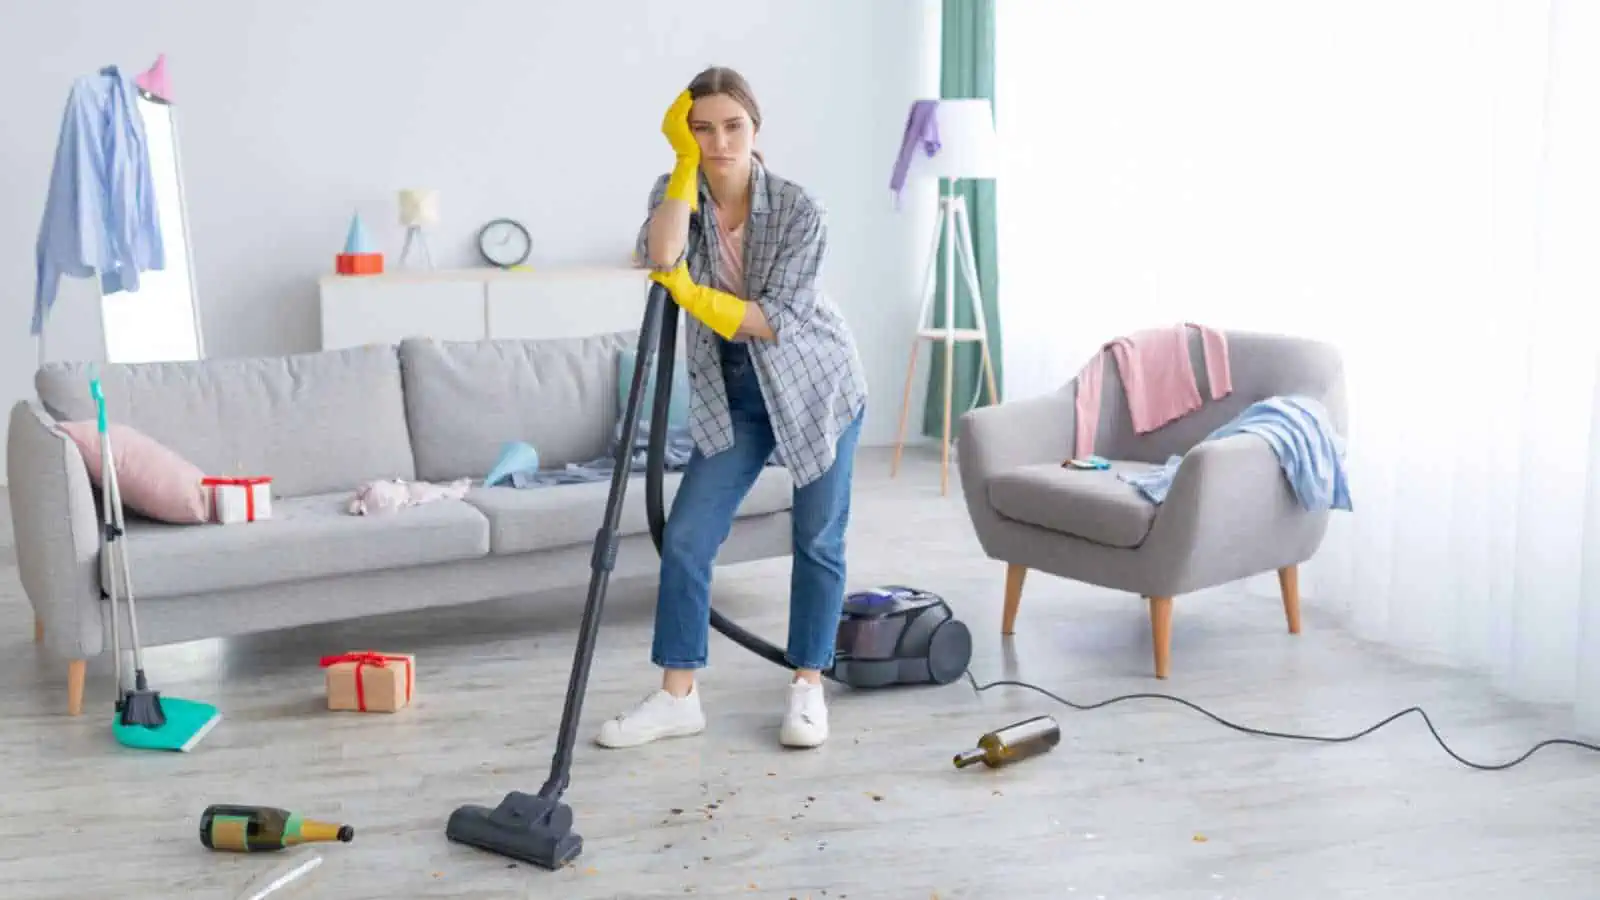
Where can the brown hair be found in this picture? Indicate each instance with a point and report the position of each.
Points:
(723, 80)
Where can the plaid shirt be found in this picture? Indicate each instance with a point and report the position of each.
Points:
(811, 375)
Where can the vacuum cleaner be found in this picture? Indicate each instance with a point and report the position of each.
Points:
(893, 635)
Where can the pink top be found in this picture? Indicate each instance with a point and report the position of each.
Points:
(731, 245)
(1157, 377)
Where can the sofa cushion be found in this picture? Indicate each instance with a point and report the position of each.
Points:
(151, 479)
(466, 399)
(307, 537)
(1091, 504)
(541, 518)
(677, 410)
(314, 422)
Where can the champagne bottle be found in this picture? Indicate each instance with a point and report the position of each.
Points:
(1013, 743)
(255, 829)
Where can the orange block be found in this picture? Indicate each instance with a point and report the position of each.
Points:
(359, 264)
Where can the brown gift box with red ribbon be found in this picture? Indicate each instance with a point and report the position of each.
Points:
(368, 681)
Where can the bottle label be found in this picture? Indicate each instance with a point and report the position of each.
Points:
(230, 833)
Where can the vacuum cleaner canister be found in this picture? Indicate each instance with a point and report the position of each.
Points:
(899, 635)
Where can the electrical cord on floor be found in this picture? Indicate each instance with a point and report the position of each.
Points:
(977, 688)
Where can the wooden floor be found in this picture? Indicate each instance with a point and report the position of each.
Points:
(1141, 799)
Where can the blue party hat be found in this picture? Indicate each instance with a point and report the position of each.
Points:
(518, 461)
(357, 240)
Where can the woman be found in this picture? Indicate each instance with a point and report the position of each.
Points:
(773, 369)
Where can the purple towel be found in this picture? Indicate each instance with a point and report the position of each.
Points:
(921, 127)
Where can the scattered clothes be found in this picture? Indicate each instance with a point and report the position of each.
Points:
(922, 127)
(100, 215)
(1154, 483)
(1157, 378)
(390, 495)
(519, 463)
(1301, 435)
(674, 457)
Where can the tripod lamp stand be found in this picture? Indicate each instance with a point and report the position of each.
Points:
(966, 147)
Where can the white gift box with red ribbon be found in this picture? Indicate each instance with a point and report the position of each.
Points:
(240, 499)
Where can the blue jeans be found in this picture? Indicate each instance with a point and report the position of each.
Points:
(702, 515)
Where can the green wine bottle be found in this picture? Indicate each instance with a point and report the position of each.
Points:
(1013, 743)
(255, 829)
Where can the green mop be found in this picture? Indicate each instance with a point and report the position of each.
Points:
(144, 719)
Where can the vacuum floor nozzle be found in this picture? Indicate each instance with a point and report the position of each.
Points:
(525, 827)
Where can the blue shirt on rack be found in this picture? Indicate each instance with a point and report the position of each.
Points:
(100, 213)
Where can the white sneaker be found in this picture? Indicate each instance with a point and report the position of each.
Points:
(659, 715)
(805, 724)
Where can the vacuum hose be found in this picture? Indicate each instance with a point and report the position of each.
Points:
(656, 454)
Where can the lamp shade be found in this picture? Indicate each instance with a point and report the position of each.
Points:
(419, 207)
(968, 146)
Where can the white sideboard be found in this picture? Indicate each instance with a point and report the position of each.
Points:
(479, 304)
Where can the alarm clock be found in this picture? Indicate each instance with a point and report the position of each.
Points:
(504, 243)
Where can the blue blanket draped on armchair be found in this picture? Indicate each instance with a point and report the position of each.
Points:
(1300, 434)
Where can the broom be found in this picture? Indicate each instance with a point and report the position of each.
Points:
(143, 719)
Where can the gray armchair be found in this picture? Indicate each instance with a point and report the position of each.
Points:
(1230, 512)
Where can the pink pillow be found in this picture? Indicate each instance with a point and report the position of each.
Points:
(153, 480)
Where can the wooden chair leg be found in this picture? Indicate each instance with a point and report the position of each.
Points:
(1161, 633)
(38, 630)
(75, 673)
(1014, 576)
(1289, 585)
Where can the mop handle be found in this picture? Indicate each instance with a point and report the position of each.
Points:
(99, 396)
(107, 470)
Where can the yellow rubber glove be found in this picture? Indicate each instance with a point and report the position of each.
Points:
(684, 183)
(721, 311)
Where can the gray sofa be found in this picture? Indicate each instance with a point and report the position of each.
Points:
(1230, 512)
(320, 424)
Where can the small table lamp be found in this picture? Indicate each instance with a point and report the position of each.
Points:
(950, 139)
(418, 207)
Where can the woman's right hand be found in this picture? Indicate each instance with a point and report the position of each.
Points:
(675, 125)
(684, 183)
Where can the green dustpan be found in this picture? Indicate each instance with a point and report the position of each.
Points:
(187, 722)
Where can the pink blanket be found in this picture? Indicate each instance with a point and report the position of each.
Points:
(1157, 376)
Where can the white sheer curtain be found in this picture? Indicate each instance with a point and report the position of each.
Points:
(1417, 181)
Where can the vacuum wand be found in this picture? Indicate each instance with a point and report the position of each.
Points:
(537, 828)
(605, 545)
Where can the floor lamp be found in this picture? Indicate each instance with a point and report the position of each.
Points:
(967, 148)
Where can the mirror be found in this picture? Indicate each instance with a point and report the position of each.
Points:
(161, 321)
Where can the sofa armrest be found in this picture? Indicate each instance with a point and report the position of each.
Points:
(56, 528)
(995, 439)
(1231, 513)
(1039, 429)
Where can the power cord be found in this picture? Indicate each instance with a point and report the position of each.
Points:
(977, 688)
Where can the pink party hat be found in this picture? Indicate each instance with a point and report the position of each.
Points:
(154, 79)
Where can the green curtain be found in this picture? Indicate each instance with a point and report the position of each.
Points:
(967, 71)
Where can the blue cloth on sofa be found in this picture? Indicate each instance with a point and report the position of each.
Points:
(675, 455)
(1300, 434)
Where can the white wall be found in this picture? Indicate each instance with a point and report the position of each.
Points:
(293, 115)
